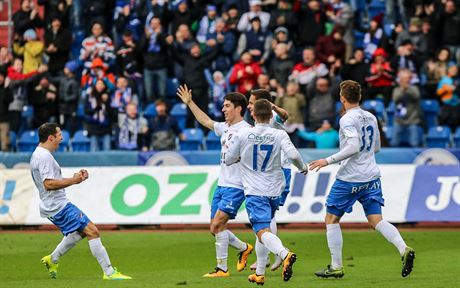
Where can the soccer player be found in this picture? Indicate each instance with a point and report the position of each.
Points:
(358, 179)
(258, 150)
(277, 121)
(55, 206)
(229, 195)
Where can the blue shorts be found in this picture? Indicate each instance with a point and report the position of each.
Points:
(261, 210)
(344, 194)
(70, 219)
(287, 177)
(228, 200)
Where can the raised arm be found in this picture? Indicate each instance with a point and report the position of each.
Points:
(283, 114)
(186, 96)
(56, 184)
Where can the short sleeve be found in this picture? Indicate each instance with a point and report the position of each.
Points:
(219, 128)
(47, 170)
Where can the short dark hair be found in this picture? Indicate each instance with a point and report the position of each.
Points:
(262, 94)
(237, 99)
(263, 110)
(46, 130)
(350, 90)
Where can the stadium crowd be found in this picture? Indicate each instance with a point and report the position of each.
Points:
(119, 84)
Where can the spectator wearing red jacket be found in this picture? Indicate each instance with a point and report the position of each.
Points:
(245, 73)
(380, 78)
(331, 48)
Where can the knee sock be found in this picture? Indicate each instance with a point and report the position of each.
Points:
(274, 244)
(67, 243)
(392, 235)
(335, 243)
(222, 249)
(99, 252)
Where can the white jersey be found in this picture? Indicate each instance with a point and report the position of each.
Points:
(43, 166)
(360, 167)
(259, 151)
(277, 123)
(229, 176)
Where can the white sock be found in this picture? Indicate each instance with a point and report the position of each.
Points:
(392, 235)
(274, 244)
(99, 252)
(67, 243)
(262, 256)
(273, 227)
(259, 243)
(235, 242)
(335, 243)
(222, 249)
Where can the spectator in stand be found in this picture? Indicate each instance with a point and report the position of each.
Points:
(408, 114)
(256, 41)
(325, 137)
(182, 45)
(59, 9)
(281, 35)
(356, 69)
(96, 11)
(331, 48)
(380, 77)
(163, 129)
(57, 46)
(155, 58)
(97, 45)
(5, 99)
(232, 17)
(415, 35)
(98, 71)
(407, 59)
(219, 88)
(69, 94)
(26, 18)
(311, 22)
(281, 65)
(435, 69)
(263, 82)
(44, 99)
(123, 95)
(245, 73)
(255, 10)
(6, 59)
(181, 16)
(127, 17)
(294, 103)
(133, 130)
(309, 69)
(448, 91)
(31, 49)
(283, 15)
(374, 38)
(448, 27)
(321, 104)
(342, 15)
(207, 24)
(225, 59)
(159, 9)
(99, 117)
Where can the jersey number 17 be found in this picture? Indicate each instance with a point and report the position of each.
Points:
(255, 155)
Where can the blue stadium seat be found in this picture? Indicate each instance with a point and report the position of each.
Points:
(430, 110)
(457, 138)
(27, 116)
(64, 146)
(213, 141)
(390, 114)
(375, 105)
(28, 141)
(438, 137)
(80, 141)
(388, 130)
(150, 111)
(13, 138)
(376, 7)
(179, 111)
(171, 87)
(193, 139)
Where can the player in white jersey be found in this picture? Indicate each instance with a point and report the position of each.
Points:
(358, 179)
(277, 121)
(229, 195)
(55, 206)
(258, 151)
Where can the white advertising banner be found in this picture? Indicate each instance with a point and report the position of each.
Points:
(182, 195)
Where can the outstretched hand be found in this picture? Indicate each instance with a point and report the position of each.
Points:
(184, 94)
(317, 164)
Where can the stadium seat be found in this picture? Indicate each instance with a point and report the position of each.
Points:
(375, 105)
(430, 110)
(150, 111)
(179, 111)
(171, 87)
(457, 138)
(376, 7)
(388, 130)
(64, 146)
(390, 114)
(27, 116)
(438, 137)
(80, 141)
(193, 139)
(13, 139)
(28, 141)
(213, 141)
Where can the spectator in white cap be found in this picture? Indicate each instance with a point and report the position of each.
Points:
(255, 9)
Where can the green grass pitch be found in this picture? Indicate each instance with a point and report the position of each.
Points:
(179, 259)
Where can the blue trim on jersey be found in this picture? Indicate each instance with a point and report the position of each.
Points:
(284, 194)
(344, 194)
(70, 219)
(278, 119)
(228, 200)
(261, 210)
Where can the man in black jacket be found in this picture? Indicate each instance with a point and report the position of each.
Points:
(5, 99)
(57, 43)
